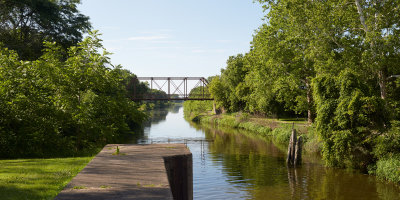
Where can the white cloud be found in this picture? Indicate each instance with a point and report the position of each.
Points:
(224, 41)
(198, 51)
(148, 38)
(159, 48)
(219, 50)
(110, 28)
(165, 42)
(156, 31)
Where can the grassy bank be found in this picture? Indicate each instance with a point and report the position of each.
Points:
(279, 130)
(37, 178)
(387, 168)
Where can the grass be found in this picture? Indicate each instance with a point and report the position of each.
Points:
(389, 169)
(150, 185)
(277, 129)
(79, 187)
(280, 130)
(37, 178)
(118, 153)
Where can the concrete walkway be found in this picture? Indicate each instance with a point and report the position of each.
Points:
(138, 172)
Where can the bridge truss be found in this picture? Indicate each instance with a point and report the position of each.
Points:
(176, 88)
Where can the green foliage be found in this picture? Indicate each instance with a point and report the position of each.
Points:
(282, 134)
(229, 89)
(52, 107)
(348, 117)
(242, 116)
(389, 143)
(389, 168)
(219, 92)
(333, 61)
(25, 24)
(194, 108)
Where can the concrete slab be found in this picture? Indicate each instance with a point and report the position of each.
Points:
(138, 172)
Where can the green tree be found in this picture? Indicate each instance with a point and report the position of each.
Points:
(25, 24)
(57, 107)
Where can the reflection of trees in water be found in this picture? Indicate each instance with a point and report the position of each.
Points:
(174, 108)
(251, 161)
(259, 167)
(156, 116)
(160, 113)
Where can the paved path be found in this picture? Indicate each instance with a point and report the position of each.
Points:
(138, 172)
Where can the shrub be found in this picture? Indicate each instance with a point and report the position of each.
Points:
(389, 168)
(282, 134)
(57, 107)
(349, 113)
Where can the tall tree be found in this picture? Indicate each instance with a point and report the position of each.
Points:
(287, 42)
(25, 24)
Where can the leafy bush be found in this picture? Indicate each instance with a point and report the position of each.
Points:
(193, 108)
(57, 107)
(282, 134)
(242, 116)
(348, 115)
(388, 143)
(389, 168)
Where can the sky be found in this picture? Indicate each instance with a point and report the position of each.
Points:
(174, 37)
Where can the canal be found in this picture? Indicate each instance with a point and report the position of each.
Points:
(231, 165)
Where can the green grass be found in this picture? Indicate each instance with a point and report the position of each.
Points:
(79, 187)
(279, 130)
(37, 178)
(389, 169)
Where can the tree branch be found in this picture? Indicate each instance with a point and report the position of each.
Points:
(360, 12)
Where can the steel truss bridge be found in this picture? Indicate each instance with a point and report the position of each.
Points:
(176, 88)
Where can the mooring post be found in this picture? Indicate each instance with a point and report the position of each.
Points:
(294, 149)
(291, 148)
(297, 156)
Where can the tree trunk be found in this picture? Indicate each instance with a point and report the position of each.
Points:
(309, 103)
(381, 74)
(382, 83)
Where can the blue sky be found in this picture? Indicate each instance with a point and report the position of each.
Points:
(174, 37)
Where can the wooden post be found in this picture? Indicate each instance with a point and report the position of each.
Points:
(297, 156)
(291, 148)
(294, 150)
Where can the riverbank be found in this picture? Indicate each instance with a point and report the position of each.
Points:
(278, 130)
(38, 178)
(386, 168)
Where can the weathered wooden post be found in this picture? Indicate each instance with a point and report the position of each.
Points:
(297, 156)
(291, 148)
(294, 149)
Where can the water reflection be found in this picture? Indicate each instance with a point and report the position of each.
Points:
(258, 167)
(232, 165)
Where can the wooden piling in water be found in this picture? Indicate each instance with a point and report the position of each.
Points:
(294, 149)
(291, 148)
(297, 155)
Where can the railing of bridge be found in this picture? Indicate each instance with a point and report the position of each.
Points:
(176, 88)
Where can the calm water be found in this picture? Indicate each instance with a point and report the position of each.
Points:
(230, 165)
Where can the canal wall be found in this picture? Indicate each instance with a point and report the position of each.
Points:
(127, 171)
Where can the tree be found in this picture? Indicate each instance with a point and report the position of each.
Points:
(25, 24)
(229, 88)
(286, 50)
(57, 107)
